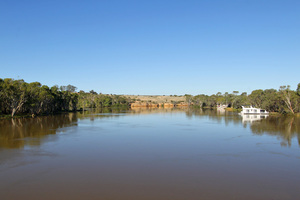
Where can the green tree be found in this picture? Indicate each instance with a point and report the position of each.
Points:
(234, 98)
(256, 98)
(93, 92)
(188, 98)
(227, 98)
(241, 100)
(270, 100)
(199, 100)
(107, 101)
(14, 95)
(289, 98)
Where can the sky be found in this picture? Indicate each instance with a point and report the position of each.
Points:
(157, 47)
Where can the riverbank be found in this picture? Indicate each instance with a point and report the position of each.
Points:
(28, 115)
(141, 105)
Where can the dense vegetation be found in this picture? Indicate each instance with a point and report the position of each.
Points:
(283, 100)
(93, 100)
(17, 96)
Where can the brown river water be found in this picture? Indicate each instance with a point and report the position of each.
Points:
(150, 154)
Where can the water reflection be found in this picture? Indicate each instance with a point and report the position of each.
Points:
(215, 115)
(283, 127)
(252, 118)
(13, 132)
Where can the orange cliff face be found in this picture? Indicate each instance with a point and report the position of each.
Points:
(143, 104)
(182, 104)
(168, 105)
(151, 105)
(139, 104)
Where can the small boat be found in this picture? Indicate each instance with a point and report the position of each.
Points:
(249, 110)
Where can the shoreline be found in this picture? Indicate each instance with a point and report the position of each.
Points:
(150, 106)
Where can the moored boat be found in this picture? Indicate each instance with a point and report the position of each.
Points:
(249, 110)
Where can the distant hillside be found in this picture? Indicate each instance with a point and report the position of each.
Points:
(157, 99)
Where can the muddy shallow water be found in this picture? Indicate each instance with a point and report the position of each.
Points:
(144, 154)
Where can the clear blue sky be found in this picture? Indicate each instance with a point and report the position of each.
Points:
(152, 47)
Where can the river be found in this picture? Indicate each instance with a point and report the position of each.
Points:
(150, 154)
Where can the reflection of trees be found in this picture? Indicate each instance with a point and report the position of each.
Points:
(14, 131)
(96, 113)
(227, 117)
(135, 110)
(284, 127)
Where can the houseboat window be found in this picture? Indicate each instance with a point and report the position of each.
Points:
(255, 110)
(247, 110)
(262, 110)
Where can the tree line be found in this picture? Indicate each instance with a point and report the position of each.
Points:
(283, 100)
(94, 100)
(17, 96)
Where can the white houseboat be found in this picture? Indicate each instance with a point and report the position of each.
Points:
(249, 110)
